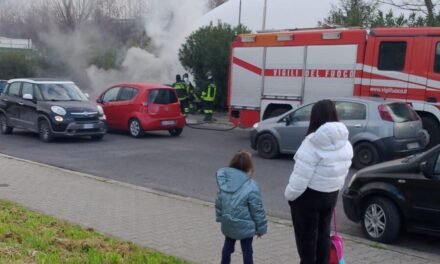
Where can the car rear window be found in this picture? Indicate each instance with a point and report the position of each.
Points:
(402, 112)
(162, 96)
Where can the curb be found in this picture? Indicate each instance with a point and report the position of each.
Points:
(274, 220)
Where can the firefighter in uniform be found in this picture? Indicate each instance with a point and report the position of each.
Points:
(182, 94)
(208, 97)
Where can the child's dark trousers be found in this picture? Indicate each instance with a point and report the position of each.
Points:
(246, 248)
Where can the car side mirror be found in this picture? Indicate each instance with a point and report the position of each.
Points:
(29, 97)
(99, 101)
(424, 169)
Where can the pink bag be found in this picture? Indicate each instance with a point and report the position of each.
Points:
(337, 246)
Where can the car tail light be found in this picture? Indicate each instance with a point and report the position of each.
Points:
(385, 113)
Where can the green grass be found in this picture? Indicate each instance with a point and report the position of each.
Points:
(29, 237)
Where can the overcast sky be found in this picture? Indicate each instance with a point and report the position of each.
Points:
(281, 14)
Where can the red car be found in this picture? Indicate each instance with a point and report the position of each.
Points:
(138, 107)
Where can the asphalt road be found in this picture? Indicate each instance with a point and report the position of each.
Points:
(184, 165)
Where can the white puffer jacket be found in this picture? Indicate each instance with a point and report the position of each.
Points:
(321, 162)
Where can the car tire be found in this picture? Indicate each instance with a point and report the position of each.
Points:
(365, 154)
(44, 131)
(97, 137)
(380, 220)
(432, 127)
(5, 129)
(135, 128)
(175, 132)
(267, 146)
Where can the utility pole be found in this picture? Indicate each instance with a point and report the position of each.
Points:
(264, 15)
(239, 14)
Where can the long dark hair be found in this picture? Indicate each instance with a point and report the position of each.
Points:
(322, 112)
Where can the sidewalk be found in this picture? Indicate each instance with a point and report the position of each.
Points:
(175, 225)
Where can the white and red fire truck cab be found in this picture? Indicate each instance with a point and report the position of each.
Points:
(273, 72)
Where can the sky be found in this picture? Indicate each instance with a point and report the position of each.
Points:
(281, 14)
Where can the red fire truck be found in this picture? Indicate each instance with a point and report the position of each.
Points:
(273, 72)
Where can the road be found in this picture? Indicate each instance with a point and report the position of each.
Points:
(184, 165)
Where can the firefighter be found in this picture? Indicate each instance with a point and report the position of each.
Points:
(208, 97)
(182, 94)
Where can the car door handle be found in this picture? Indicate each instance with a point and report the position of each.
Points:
(358, 125)
(6, 100)
(20, 103)
(401, 181)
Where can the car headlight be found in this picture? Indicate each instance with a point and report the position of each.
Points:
(58, 110)
(100, 110)
(255, 126)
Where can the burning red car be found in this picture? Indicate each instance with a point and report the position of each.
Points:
(140, 107)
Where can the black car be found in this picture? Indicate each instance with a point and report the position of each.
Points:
(52, 108)
(2, 85)
(396, 195)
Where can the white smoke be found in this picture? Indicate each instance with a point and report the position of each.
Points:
(167, 23)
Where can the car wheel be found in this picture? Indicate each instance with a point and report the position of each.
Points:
(267, 146)
(175, 132)
(4, 125)
(44, 131)
(97, 137)
(365, 154)
(380, 220)
(431, 126)
(135, 128)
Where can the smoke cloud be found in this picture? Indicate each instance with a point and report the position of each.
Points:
(167, 23)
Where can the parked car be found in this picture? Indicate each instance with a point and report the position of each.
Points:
(379, 130)
(395, 195)
(52, 108)
(138, 107)
(2, 85)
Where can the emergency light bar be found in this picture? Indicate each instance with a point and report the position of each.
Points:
(248, 38)
(335, 35)
(285, 37)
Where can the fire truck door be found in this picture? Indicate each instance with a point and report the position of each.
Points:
(330, 71)
(433, 74)
(246, 77)
(389, 74)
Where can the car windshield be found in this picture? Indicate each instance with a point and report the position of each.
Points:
(402, 112)
(162, 96)
(61, 92)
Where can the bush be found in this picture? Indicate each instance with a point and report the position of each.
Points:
(18, 63)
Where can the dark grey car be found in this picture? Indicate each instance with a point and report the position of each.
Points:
(379, 130)
(52, 108)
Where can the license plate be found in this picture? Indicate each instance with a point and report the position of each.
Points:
(88, 126)
(168, 122)
(413, 145)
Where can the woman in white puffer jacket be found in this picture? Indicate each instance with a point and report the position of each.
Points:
(321, 166)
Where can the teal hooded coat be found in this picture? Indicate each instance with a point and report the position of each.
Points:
(238, 206)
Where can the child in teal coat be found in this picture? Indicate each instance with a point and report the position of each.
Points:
(239, 208)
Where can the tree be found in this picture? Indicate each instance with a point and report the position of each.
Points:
(354, 13)
(215, 3)
(426, 7)
(208, 49)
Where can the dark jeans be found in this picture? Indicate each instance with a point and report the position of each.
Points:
(246, 248)
(311, 217)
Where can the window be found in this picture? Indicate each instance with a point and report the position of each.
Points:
(127, 94)
(351, 111)
(162, 96)
(111, 95)
(28, 88)
(437, 58)
(402, 112)
(392, 56)
(2, 86)
(302, 114)
(14, 89)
